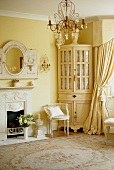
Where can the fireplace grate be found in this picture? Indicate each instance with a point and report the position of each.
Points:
(15, 131)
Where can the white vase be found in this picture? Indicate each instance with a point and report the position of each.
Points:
(75, 38)
(26, 133)
(15, 84)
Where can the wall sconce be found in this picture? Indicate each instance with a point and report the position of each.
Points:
(45, 66)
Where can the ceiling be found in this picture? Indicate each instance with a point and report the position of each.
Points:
(87, 8)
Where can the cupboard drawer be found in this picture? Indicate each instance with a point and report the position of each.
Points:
(85, 96)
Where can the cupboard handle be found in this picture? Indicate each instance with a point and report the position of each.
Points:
(74, 96)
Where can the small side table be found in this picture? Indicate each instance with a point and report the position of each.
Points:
(38, 130)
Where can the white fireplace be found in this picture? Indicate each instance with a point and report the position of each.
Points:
(13, 99)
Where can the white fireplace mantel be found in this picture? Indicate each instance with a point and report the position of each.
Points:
(13, 96)
(16, 87)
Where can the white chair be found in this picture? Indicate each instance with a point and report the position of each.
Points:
(58, 111)
(109, 121)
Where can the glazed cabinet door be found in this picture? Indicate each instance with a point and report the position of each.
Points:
(65, 70)
(83, 69)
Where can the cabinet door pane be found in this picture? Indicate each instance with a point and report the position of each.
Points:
(65, 57)
(62, 84)
(87, 83)
(69, 56)
(78, 83)
(83, 70)
(70, 83)
(65, 70)
(62, 70)
(70, 72)
(77, 56)
(78, 70)
(82, 83)
(61, 57)
(87, 56)
(65, 83)
(82, 56)
(87, 69)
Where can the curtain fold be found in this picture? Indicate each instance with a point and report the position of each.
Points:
(104, 69)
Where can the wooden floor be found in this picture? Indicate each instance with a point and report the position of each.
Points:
(58, 133)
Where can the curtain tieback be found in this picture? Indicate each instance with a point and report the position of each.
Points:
(102, 94)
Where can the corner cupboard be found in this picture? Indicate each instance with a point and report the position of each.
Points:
(75, 81)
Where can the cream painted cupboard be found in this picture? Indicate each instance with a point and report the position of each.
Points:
(75, 81)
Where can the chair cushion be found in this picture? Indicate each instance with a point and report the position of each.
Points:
(62, 117)
(109, 121)
(55, 111)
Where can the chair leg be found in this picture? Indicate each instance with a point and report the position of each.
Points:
(67, 127)
(107, 132)
(64, 126)
(58, 125)
(50, 128)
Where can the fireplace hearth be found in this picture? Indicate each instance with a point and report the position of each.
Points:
(12, 121)
(13, 127)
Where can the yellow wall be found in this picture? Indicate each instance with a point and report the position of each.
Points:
(97, 33)
(103, 31)
(86, 35)
(108, 29)
(34, 35)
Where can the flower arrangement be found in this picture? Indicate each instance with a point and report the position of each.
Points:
(25, 120)
(15, 82)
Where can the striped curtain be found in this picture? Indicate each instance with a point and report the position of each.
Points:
(104, 69)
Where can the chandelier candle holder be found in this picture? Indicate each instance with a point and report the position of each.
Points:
(66, 22)
(45, 66)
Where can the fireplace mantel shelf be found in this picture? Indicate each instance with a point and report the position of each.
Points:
(17, 87)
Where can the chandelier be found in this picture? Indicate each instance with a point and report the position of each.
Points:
(66, 23)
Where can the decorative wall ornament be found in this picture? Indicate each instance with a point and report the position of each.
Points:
(15, 96)
(38, 129)
(17, 62)
(15, 106)
(45, 65)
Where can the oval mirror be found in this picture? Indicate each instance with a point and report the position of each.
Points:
(14, 60)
